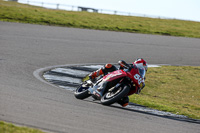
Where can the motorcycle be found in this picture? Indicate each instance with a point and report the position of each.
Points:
(112, 87)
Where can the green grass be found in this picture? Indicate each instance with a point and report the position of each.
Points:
(10, 128)
(15, 12)
(173, 89)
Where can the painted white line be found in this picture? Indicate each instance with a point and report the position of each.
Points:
(69, 71)
(62, 78)
(94, 66)
(154, 111)
(154, 65)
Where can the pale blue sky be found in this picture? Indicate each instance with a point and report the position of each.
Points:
(179, 9)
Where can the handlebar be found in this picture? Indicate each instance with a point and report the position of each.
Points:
(123, 64)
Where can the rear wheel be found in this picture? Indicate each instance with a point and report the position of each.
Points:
(82, 91)
(111, 97)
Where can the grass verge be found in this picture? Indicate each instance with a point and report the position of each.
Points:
(10, 128)
(173, 89)
(15, 12)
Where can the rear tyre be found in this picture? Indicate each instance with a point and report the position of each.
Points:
(111, 97)
(82, 92)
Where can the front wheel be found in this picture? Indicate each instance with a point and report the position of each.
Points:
(82, 92)
(111, 97)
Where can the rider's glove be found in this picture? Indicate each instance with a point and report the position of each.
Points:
(123, 64)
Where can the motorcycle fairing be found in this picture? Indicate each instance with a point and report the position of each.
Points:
(114, 75)
(134, 75)
(99, 88)
(111, 80)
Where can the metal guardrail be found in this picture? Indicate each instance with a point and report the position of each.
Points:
(79, 8)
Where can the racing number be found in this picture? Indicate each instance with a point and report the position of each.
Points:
(138, 78)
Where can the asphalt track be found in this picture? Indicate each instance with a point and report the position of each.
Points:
(25, 100)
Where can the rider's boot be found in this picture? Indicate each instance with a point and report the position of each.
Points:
(124, 101)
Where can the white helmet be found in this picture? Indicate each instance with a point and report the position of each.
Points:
(141, 63)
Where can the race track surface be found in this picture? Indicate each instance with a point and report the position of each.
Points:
(25, 100)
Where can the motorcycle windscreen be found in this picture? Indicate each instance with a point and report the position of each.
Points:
(142, 72)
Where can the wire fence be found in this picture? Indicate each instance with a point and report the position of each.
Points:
(78, 8)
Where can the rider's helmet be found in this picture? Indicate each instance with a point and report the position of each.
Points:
(141, 64)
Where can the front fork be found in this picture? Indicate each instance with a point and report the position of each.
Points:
(97, 90)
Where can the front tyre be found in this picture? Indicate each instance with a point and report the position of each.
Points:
(82, 92)
(111, 97)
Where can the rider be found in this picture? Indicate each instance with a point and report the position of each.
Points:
(140, 64)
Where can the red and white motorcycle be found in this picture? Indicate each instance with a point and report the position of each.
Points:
(113, 86)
